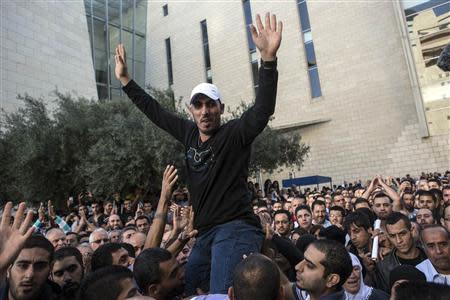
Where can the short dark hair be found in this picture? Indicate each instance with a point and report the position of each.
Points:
(395, 217)
(361, 200)
(434, 179)
(338, 208)
(256, 277)
(142, 218)
(39, 241)
(261, 203)
(334, 233)
(317, 202)
(427, 193)
(64, 252)
(102, 257)
(357, 218)
(382, 195)
(130, 249)
(336, 261)
(421, 290)
(146, 267)
(110, 277)
(314, 228)
(282, 211)
(302, 207)
(369, 213)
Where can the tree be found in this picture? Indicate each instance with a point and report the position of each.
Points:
(104, 147)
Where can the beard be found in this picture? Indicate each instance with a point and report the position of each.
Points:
(69, 291)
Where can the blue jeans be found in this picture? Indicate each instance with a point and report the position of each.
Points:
(216, 253)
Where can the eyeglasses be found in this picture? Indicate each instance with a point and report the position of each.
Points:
(101, 240)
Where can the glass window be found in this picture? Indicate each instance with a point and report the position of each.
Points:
(99, 8)
(139, 74)
(139, 50)
(204, 31)
(314, 82)
(114, 38)
(87, 7)
(101, 66)
(310, 54)
(255, 73)
(247, 12)
(102, 91)
(115, 94)
(307, 36)
(441, 9)
(165, 10)
(169, 61)
(304, 16)
(248, 21)
(99, 35)
(141, 16)
(127, 13)
(253, 56)
(206, 55)
(127, 41)
(415, 6)
(130, 65)
(209, 76)
(428, 23)
(112, 76)
(114, 12)
(251, 44)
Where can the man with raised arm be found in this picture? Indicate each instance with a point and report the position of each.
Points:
(217, 158)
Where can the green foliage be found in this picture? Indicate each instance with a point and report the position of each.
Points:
(103, 147)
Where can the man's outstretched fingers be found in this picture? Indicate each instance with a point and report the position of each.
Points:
(259, 23)
(25, 228)
(267, 21)
(19, 215)
(274, 22)
(6, 217)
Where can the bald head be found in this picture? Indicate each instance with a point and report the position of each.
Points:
(256, 277)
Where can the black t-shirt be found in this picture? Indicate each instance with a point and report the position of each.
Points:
(217, 169)
(413, 262)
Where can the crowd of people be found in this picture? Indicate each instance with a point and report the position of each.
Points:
(387, 239)
(221, 237)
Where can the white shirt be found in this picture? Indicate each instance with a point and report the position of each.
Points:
(427, 268)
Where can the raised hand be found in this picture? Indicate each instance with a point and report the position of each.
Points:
(41, 213)
(169, 178)
(13, 237)
(268, 36)
(121, 70)
(51, 210)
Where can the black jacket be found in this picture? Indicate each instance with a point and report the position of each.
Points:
(217, 169)
(384, 268)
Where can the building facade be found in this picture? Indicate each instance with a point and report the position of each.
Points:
(44, 46)
(69, 46)
(358, 80)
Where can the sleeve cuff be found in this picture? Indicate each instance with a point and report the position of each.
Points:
(268, 65)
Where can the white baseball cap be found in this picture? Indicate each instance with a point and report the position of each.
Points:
(207, 89)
